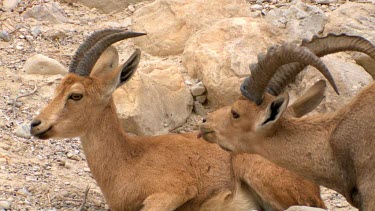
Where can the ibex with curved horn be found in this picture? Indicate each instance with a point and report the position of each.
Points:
(335, 150)
(169, 172)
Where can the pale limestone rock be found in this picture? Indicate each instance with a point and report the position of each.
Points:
(353, 19)
(40, 64)
(50, 12)
(109, 6)
(170, 23)
(155, 101)
(220, 55)
(299, 20)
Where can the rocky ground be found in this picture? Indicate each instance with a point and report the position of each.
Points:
(52, 174)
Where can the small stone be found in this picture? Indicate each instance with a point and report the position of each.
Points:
(35, 31)
(10, 4)
(86, 169)
(4, 35)
(73, 156)
(131, 8)
(23, 130)
(256, 7)
(67, 165)
(5, 205)
(23, 192)
(197, 89)
(3, 161)
(40, 64)
(199, 109)
(64, 193)
(201, 98)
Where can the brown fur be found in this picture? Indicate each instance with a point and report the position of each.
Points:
(165, 172)
(335, 150)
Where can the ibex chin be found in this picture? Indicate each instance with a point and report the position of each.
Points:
(336, 150)
(168, 172)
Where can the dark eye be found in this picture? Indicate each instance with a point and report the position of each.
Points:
(235, 114)
(75, 96)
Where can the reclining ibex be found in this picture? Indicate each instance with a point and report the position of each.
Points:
(336, 150)
(168, 172)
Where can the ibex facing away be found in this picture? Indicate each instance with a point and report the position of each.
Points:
(336, 150)
(169, 172)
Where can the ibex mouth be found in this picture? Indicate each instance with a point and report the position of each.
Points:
(204, 131)
(43, 135)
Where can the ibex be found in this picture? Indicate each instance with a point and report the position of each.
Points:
(335, 150)
(168, 172)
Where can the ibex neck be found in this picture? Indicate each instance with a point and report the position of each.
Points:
(107, 147)
(302, 145)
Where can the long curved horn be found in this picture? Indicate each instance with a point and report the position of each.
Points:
(87, 44)
(320, 46)
(90, 58)
(261, 73)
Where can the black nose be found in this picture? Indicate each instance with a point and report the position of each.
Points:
(35, 123)
(204, 120)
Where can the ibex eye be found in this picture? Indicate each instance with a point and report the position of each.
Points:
(75, 96)
(235, 114)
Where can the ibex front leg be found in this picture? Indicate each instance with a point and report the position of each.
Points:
(165, 201)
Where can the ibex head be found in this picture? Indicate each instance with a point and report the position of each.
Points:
(83, 92)
(257, 114)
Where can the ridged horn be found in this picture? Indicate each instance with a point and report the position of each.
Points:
(91, 57)
(87, 44)
(320, 46)
(254, 86)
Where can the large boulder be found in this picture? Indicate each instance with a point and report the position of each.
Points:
(349, 77)
(155, 101)
(299, 20)
(220, 55)
(354, 19)
(108, 6)
(169, 23)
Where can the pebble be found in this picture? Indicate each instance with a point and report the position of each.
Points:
(5, 205)
(23, 130)
(73, 156)
(64, 193)
(131, 8)
(4, 35)
(23, 192)
(86, 169)
(197, 89)
(256, 7)
(3, 161)
(35, 31)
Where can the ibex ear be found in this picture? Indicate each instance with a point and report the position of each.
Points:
(129, 67)
(122, 73)
(309, 100)
(106, 63)
(273, 112)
